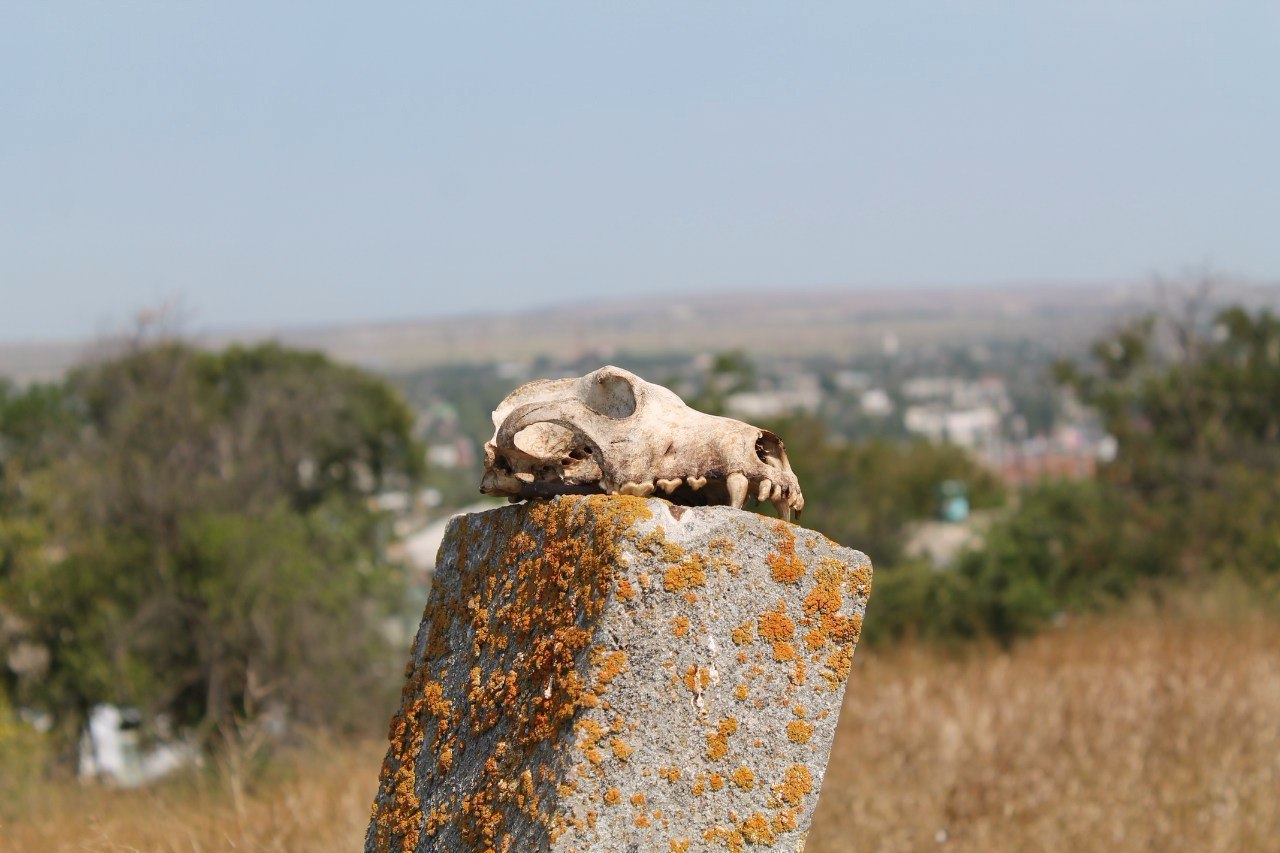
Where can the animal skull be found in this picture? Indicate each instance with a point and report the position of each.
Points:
(612, 432)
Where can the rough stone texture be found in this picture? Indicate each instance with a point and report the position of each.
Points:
(616, 673)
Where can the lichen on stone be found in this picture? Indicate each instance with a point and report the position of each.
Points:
(579, 648)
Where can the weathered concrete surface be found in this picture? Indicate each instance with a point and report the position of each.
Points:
(614, 673)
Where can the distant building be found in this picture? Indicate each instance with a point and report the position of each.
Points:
(801, 393)
(970, 428)
(457, 453)
(876, 403)
(851, 380)
(1071, 453)
(112, 750)
(1025, 470)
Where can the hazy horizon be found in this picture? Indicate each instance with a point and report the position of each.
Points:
(178, 312)
(304, 165)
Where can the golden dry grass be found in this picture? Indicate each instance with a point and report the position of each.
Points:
(313, 802)
(1152, 732)
(1147, 732)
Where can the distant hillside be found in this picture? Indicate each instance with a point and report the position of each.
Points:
(773, 322)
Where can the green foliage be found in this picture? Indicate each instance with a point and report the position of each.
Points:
(865, 494)
(1196, 414)
(1066, 548)
(916, 600)
(23, 757)
(1191, 495)
(190, 534)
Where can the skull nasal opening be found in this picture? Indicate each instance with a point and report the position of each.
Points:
(769, 450)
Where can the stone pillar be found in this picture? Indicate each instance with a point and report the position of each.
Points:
(621, 674)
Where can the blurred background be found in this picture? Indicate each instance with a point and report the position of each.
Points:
(1004, 278)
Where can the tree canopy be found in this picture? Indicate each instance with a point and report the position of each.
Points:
(190, 534)
(1190, 496)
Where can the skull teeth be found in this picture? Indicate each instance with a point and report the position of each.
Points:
(640, 490)
(764, 490)
(737, 484)
(670, 486)
(695, 483)
(781, 506)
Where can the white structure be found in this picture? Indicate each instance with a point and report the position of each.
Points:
(876, 403)
(111, 751)
(965, 427)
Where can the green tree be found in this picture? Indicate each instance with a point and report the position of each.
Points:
(865, 494)
(200, 543)
(1191, 493)
(1194, 409)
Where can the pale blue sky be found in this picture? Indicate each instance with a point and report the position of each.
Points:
(281, 163)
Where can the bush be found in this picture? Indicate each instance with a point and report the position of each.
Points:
(190, 534)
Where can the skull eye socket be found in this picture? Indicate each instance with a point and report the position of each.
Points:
(610, 395)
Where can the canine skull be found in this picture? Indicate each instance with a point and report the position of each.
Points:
(612, 432)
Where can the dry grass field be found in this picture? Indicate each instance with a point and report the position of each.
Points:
(1152, 731)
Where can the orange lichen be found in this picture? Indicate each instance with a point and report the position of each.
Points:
(826, 595)
(797, 783)
(799, 672)
(697, 679)
(784, 821)
(589, 733)
(838, 665)
(557, 558)
(621, 749)
(679, 845)
(609, 665)
(776, 626)
(744, 633)
(699, 786)
(744, 778)
(689, 572)
(625, 590)
(859, 580)
(721, 545)
(716, 781)
(741, 692)
(756, 830)
(718, 741)
(637, 799)
(815, 639)
(612, 797)
(680, 626)
(784, 652)
(784, 565)
(798, 731)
